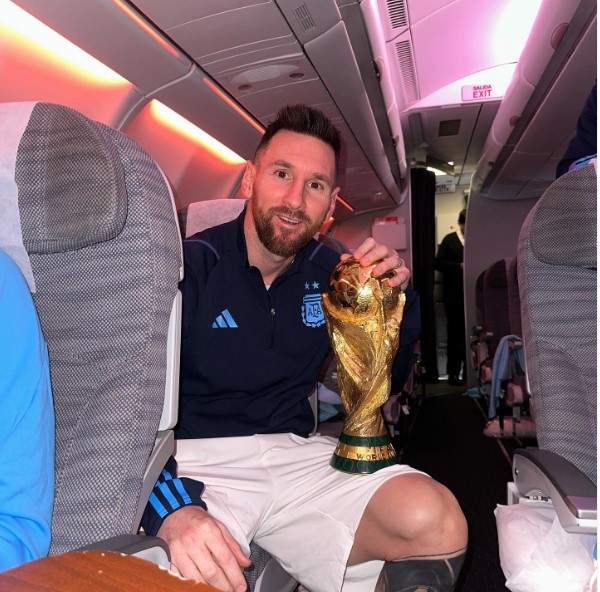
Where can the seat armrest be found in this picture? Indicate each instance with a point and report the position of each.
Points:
(145, 547)
(541, 474)
(164, 447)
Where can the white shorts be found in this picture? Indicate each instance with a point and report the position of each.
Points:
(280, 491)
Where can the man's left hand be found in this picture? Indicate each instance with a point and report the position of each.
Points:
(387, 259)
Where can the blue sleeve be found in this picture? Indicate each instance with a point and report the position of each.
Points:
(170, 494)
(26, 425)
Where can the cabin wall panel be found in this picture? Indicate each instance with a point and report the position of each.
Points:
(195, 173)
(32, 73)
(194, 99)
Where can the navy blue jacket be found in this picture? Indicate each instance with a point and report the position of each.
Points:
(241, 373)
(584, 142)
(250, 356)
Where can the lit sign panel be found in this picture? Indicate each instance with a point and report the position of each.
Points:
(479, 92)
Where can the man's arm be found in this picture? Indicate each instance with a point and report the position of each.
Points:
(584, 142)
(170, 494)
(201, 547)
(26, 425)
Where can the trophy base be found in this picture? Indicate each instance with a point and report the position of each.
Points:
(363, 455)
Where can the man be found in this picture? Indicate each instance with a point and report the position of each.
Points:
(583, 144)
(254, 340)
(449, 261)
(26, 427)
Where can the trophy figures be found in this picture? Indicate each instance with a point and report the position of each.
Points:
(363, 316)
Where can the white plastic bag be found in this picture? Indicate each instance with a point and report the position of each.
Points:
(537, 555)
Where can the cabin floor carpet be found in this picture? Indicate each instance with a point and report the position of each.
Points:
(447, 442)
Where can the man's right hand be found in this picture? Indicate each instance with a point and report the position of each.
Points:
(202, 549)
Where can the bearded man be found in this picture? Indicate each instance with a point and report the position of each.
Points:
(253, 343)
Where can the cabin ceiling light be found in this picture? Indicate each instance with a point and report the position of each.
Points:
(224, 97)
(435, 171)
(170, 118)
(512, 27)
(344, 203)
(17, 21)
(149, 29)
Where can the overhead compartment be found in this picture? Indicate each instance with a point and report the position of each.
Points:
(145, 58)
(267, 54)
(541, 106)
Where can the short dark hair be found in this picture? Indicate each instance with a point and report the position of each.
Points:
(462, 216)
(306, 120)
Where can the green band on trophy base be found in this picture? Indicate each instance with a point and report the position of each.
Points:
(363, 454)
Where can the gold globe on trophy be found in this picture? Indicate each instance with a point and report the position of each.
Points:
(363, 316)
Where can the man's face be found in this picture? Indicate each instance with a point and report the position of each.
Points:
(291, 191)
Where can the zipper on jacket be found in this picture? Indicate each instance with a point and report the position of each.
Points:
(272, 326)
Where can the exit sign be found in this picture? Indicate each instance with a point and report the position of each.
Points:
(479, 92)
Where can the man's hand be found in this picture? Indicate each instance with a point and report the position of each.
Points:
(370, 252)
(202, 549)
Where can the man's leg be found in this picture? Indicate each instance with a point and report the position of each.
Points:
(416, 525)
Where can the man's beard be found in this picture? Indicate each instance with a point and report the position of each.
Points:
(284, 243)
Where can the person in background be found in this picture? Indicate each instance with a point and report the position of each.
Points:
(583, 144)
(449, 262)
(26, 425)
(254, 341)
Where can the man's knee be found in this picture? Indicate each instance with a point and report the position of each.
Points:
(419, 515)
(436, 514)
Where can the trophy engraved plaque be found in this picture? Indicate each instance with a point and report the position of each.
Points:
(363, 316)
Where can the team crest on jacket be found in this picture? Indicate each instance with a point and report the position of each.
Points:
(312, 310)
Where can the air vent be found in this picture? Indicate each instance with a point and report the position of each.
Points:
(397, 13)
(263, 73)
(449, 127)
(304, 18)
(407, 70)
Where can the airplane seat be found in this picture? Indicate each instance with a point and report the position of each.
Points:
(514, 300)
(90, 220)
(333, 243)
(548, 530)
(201, 215)
(265, 574)
(508, 391)
(480, 356)
(492, 290)
(516, 392)
(495, 303)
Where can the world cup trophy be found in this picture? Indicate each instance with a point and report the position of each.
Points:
(363, 316)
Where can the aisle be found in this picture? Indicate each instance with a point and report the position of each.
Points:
(447, 443)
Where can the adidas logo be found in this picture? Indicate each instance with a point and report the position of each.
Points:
(224, 321)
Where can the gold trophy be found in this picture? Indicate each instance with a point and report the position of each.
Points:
(363, 316)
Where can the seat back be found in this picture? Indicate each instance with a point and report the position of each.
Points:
(557, 285)
(514, 300)
(99, 241)
(479, 306)
(206, 214)
(495, 303)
